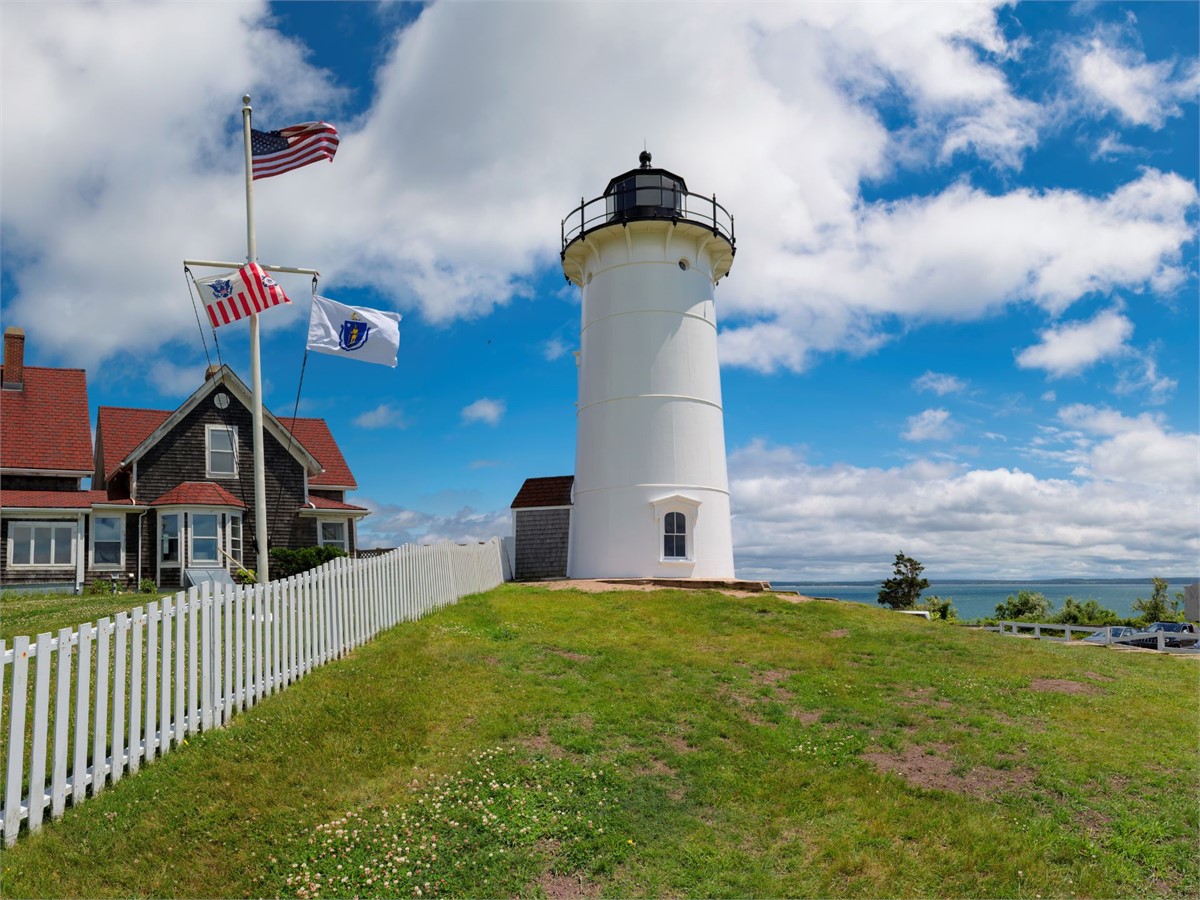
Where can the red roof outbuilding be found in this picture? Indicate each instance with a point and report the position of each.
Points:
(44, 425)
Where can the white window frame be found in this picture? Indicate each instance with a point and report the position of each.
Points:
(230, 518)
(690, 510)
(178, 561)
(192, 562)
(685, 534)
(34, 524)
(92, 542)
(344, 543)
(232, 430)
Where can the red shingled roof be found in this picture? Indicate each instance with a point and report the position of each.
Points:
(120, 429)
(318, 440)
(45, 425)
(198, 493)
(57, 499)
(326, 503)
(553, 491)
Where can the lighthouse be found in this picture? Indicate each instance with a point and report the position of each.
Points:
(650, 496)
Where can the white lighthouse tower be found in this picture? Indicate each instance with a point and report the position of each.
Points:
(651, 492)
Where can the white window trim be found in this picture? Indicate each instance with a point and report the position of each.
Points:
(691, 513)
(105, 567)
(190, 559)
(162, 563)
(45, 523)
(240, 556)
(208, 431)
(332, 520)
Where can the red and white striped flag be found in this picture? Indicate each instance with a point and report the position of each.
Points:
(276, 152)
(236, 295)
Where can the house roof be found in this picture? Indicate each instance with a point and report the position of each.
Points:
(326, 503)
(46, 424)
(77, 500)
(121, 429)
(198, 493)
(316, 437)
(553, 491)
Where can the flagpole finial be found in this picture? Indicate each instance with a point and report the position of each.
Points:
(246, 99)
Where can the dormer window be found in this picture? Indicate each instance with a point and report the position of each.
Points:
(221, 446)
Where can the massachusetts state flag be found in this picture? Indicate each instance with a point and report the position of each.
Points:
(357, 332)
(236, 295)
(276, 152)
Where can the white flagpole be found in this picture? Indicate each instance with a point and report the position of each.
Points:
(260, 483)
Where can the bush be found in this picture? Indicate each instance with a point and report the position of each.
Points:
(146, 586)
(1158, 608)
(939, 608)
(245, 576)
(104, 586)
(285, 562)
(1088, 613)
(1029, 605)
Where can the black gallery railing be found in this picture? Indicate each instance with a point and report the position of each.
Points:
(640, 201)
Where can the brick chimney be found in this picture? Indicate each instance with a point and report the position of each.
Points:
(14, 359)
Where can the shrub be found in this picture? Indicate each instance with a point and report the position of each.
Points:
(286, 562)
(146, 586)
(104, 586)
(1158, 608)
(939, 608)
(245, 576)
(1025, 605)
(1089, 612)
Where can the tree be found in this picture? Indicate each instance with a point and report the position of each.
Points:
(1158, 608)
(940, 608)
(1090, 612)
(904, 589)
(1026, 605)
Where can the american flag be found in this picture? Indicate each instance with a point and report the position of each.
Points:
(236, 295)
(276, 152)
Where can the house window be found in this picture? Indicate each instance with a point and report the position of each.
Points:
(168, 539)
(108, 542)
(235, 537)
(221, 444)
(332, 534)
(203, 539)
(674, 536)
(48, 544)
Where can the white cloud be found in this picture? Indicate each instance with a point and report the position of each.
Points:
(1069, 349)
(1141, 375)
(390, 525)
(1138, 450)
(930, 425)
(1122, 80)
(382, 416)
(1110, 147)
(484, 410)
(793, 519)
(940, 383)
(554, 348)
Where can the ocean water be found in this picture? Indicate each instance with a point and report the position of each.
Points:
(976, 599)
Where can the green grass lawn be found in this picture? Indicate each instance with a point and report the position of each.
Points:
(34, 613)
(529, 742)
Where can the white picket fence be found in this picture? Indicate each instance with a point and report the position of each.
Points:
(151, 677)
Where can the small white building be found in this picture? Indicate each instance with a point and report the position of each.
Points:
(650, 496)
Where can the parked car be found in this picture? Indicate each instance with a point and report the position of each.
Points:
(1118, 631)
(1177, 634)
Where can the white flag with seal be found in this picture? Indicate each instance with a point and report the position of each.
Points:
(355, 332)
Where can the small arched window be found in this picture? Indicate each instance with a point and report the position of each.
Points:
(674, 536)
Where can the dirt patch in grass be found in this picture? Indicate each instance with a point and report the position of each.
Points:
(655, 767)
(929, 767)
(541, 743)
(678, 744)
(571, 655)
(805, 716)
(1062, 686)
(1096, 676)
(838, 633)
(563, 887)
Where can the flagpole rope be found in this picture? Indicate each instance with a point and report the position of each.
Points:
(190, 280)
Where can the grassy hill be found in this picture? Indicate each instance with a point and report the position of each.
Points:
(538, 743)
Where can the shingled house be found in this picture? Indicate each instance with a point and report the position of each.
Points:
(188, 472)
(542, 527)
(171, 490)
(54, 533)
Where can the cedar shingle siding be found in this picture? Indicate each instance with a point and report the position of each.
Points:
(542, 536)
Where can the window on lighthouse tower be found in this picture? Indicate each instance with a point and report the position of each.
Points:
(674, 536)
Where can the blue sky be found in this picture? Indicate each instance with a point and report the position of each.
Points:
(962, 322)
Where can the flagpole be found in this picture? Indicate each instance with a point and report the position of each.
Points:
(260, 483)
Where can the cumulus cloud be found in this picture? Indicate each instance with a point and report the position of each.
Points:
(485, 410)
(940, 383)
(794, 519)
(554, 348)
(1070, 348)
(383, 416)
(930, 425)
(1122, 80)
(390, 525)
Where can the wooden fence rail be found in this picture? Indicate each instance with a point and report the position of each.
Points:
(145, 680)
